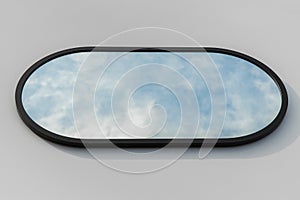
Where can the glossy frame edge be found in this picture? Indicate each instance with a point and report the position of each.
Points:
(149, 143)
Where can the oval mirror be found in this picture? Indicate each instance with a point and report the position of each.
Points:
(146, 97)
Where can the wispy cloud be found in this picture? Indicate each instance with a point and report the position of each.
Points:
(253, 99)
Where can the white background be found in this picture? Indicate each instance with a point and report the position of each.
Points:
(31, 168)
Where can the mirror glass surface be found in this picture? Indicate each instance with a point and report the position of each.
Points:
(253, 99)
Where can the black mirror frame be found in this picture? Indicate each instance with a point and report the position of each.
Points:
(149, 143)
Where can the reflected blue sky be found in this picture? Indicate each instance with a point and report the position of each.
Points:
(253, 99)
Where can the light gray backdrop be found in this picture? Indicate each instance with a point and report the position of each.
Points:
(31, 168)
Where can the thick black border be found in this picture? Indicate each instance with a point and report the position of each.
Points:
(225, 142)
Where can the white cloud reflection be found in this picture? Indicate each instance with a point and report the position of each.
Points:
(253, 99)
